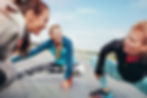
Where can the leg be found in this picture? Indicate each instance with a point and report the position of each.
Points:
(56, 68)
(142, 85)
(110, 68)
(2, 78)
(102, 79)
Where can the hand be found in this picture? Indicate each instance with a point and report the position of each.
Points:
(66, 84)
(97, 76)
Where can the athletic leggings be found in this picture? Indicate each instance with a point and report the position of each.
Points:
(112, 70)
(52, 68)
(56, 68)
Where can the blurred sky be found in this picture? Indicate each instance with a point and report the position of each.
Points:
(92, 23)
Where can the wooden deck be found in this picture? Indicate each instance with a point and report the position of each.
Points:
(44, 85)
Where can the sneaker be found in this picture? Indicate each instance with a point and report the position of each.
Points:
(100, 93)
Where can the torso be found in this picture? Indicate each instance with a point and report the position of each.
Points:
(130, 71)
(61, 59)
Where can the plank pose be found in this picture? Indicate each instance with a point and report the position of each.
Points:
(62, 49)
(131, 57)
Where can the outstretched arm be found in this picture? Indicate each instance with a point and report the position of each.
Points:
(33, 52)
(110, 47)
(69, 60)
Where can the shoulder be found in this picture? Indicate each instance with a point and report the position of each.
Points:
(118, 43)
(48, 42)
(67, 41)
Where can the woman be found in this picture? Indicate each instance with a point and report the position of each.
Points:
(62, 49)
(36, 15)
(131, 58)
(12, 29)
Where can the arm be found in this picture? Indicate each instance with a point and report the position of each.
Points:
(33, 52)
(144, 64)
(69, 60)
(110, 47)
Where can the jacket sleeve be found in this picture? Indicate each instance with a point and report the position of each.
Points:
(110, 47)
(144, 64)
(69, 60)
(33, 52)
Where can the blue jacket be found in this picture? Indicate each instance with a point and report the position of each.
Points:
(66, 58)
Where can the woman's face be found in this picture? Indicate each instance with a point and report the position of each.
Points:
(133, 43)
(36, 23)
(56, 35)
(145, 47)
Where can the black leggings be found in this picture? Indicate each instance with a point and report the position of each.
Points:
(51, 68)
(56, 68)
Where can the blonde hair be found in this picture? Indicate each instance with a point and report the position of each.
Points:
(53, 27)
(142, 28)
(58, 50)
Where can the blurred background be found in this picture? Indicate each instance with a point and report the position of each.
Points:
(91, 24)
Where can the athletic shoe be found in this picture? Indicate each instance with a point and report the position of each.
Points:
(100, 93)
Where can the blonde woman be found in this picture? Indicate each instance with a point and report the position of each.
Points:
(62, 49)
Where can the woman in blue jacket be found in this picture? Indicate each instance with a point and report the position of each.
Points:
(62, 49)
